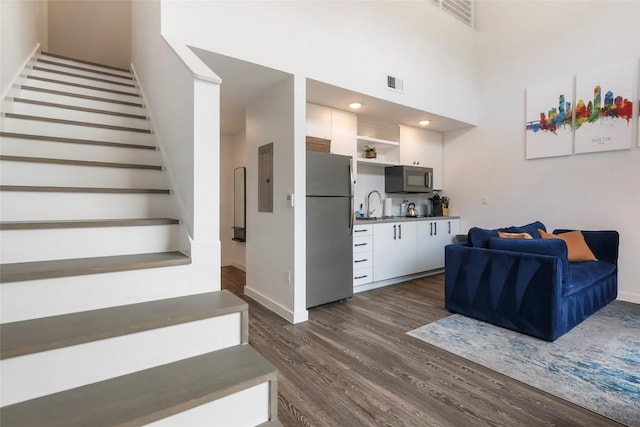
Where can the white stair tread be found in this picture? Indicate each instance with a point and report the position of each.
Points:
(77, 162)
(67, 106)
(67, 72)
(48, 206)
(149, 395)
(52, 62)
(65, 130)
(76, 100)
(74, 140)
(35, 225)
(48, 119)
(16, 272)
(70, 79)
(37, 335)
(74, 61)
(78, 115)
(36, 83)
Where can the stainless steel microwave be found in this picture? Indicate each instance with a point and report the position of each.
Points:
(408, 179)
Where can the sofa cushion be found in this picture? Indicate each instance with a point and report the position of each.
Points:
(584, 274)
(505, 235)
(578, 248)
(551, 247)
(479, 237)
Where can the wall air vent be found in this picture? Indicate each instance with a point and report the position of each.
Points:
(395, 83)
(459, 9)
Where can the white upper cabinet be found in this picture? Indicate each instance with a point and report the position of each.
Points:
(318, 121)
(344, 130)
(422, 147)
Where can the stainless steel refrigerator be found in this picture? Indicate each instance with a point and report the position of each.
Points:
(329, 228)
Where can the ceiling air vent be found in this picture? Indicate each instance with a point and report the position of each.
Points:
(459, 9)
(395, 83)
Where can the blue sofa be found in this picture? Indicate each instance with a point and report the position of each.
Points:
(529, 285)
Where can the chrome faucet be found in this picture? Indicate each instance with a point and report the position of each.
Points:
(369, 210)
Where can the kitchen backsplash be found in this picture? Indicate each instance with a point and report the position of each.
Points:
(371, 177)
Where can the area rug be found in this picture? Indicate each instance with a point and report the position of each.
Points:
(595, 365)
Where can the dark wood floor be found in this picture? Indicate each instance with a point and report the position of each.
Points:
(352, 364)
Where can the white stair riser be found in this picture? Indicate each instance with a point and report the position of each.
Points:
(76, 102)
(82, 64)
(82, 81)
(78, 116)
(40, 374)
(35, 206)
(34, 299)
(44, 174)
(83, 91)
(36, 127)
(51, 244)
(248, 407)
(122, 79)
(62, 150)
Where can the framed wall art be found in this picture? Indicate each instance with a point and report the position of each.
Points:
(604, 109)
(549, 119)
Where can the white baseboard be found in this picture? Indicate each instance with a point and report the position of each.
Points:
(382, 283)
(285, 313)
(629, 297)
(232, 263)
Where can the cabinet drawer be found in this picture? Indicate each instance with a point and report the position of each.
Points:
(362, 230)
(362, 244)
(362, 260)
(362, 276)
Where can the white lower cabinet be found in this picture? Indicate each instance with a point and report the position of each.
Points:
(362, 254)
(433, 236)
(387, 250)
(394, 249)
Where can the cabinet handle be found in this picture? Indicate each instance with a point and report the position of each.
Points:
(361, 231)
(361, 277)
(449, 222)
(435, 228)
(394, 233)
(400, 231)
(430, 229)
(360, 244)
(360, 260)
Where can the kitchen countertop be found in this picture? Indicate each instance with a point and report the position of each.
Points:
(361, 221)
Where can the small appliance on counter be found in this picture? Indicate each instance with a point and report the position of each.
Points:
(412, 212)
(436, 203)
(386, 207)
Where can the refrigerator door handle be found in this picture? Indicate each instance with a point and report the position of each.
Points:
(352, 210)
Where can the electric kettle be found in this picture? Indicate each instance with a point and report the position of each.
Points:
(411, 210)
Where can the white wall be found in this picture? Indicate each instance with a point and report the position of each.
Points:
(97, 31)
(232, 155)
(345, 43)
(183, 101)
(522, 44)
(270, 236)
(23, 24)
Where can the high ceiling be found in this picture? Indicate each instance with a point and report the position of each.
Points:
(243, 81)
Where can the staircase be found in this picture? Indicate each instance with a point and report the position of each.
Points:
(99, 325)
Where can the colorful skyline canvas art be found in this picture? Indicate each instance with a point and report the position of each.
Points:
(604, 109)
(549, 119)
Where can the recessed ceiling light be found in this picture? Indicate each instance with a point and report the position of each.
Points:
(424, 122)
(355, 105)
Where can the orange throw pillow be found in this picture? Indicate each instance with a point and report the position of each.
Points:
(577, 248)
(504, 235)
